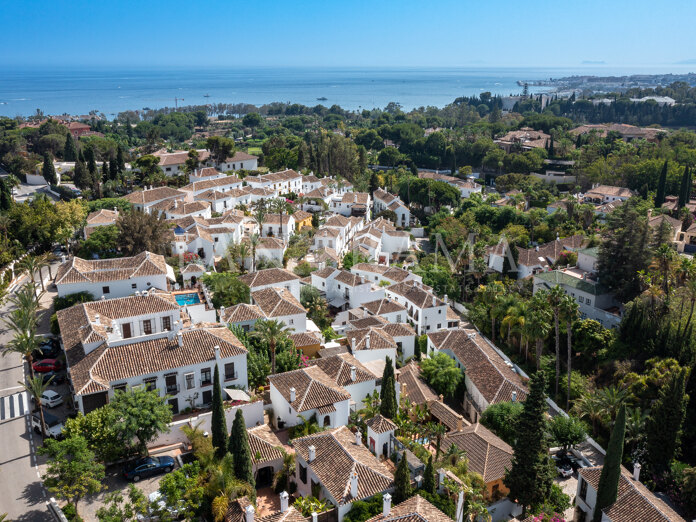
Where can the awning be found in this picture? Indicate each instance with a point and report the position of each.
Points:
(337, 302)
(237, 395)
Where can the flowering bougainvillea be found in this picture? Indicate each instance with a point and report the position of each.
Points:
(190, 257)
(546, 517)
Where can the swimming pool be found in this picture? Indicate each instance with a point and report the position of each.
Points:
(187, 299)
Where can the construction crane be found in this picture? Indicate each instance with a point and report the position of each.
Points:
(176, 102)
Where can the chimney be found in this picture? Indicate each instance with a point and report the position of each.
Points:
(460, 507)
(222, 314)
(434, 301)
(386, 504)
(352, 344)
(354, 484)
(636, 471)
(514, 396)
(446, 299)
(353, 373)
(312, 453)
(442, 398)
(358, 438)
(367, 341)
(315, 517)
(97, 319)
(217, 352)
(116, 210)
(283, 501)
(180, 339)
(103, 298)
(293, 394)
(249, 513)
(137, 293)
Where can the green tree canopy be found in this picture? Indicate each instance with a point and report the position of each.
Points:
(442, 373)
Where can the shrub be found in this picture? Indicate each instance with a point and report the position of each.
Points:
(60, 303)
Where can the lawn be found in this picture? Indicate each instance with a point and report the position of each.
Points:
(254, 150)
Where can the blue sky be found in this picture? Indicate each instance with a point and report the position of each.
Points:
(349, 33)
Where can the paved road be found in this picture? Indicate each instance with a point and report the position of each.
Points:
(22, 495)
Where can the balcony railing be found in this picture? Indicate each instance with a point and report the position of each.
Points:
(172, 388)
(231, 376)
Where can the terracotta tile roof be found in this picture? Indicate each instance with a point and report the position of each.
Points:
(337, 457)
(241, 156)
(283, 175)
(380, 424)
(264, 445)
(338, 368)
(384, 196)
(349, 279)
(635, 502)
(274, 219)
(325, 273)
(106, 364)
(327, 231)
(488, 455)
(550, 251)
(413, 292)
(181, 209)
(78, 270)
(241, 313)
(608, 190)
(359, 198)
(193, 268)
(656, 221)
(178, 157)
(452, 315)
(383, 306)
(268, 276)
(337, 221)
(266, 243)
(301, 339)
(276, 302)
(399, 329)
(447, 415)
(366, 322)
(142, 197)
(415, 509)
(236, 510)
(205, 172)
(417, 390)
(291, 515)
(486, 369)
(313, 388)
(102, 216)
(301, 215)
(208, 184)
(378, 339)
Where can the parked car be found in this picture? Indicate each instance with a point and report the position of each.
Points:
(47, 365)
(46, 350)
(147, 467)
(55, 378)
(51, 399)
(54, 426)
(157, 506)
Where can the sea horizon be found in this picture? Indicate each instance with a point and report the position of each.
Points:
(110, 90)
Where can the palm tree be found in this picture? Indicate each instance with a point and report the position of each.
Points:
(24, 344)
(271, 331)
(287, 470)
(49, 258)
(490, 294)
(569, 311)
(437, 430)
(254, 242)
(663, 263)
(281, 206)
(611, 399)
(554, 297)
(5, 224)
(36, 388)
(504, 304)
(539, 323)
(307, 426)
(223, 487)
(30, 264)
(589, 408)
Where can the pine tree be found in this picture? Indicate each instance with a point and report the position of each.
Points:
(663, 426)
(532, 473)
(429, 477)
(218, 425)
(402, 481)
(684, 188)
(608, 488)
(388, 407)
(69, 150)
(48, 170)
(240, 450)
(661, 185)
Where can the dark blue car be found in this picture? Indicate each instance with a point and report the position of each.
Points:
(147, 467)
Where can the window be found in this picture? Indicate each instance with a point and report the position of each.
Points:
(230, 374)
(217, 239)
(439, 326)
(398, 318)
(439, 311)
(583, 488)
(206, 378)
(581, 299)
(588, 302)
(120, 387)
(292, 321)
(303, 474)
(134, 286)
(190, 381)
(105, 290)
(147, 326)
(166, 323)
(150, 384)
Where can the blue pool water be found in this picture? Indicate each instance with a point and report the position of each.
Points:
(187, 299)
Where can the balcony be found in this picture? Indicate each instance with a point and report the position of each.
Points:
(231, 376)
(172, 389)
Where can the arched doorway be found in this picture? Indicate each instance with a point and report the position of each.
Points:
(327, 421)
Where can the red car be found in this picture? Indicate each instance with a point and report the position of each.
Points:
(47, 365)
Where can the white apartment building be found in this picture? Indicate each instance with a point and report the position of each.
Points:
(427, 312)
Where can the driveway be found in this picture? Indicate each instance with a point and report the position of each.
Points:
(570, 487)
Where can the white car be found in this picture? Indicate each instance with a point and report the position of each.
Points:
(157, 506)
(51, 399)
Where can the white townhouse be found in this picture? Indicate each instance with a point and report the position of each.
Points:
(175, 209)
(208, 238)
(280, 305)
(352, 204)
(305, 393)
(99, 218)
(388, 309)
(224, 184)
(273, 278)
(174, 163)
(383, 200)
(370, 314)
(465, 187)
(317, 199)
(343, 468)
(278, 225)
(350, 374)
(427, 311)
(599, 194)
(309, 183)
(489, 378)
(282, 182)
(242, 315)
(118, 344)
(240, 161)
(336, 233)
(268, 248)
(222, 201)
(389, 274)
(113, 277)
(345, 289)
(205, 173)
(145, 199)
(376, 342)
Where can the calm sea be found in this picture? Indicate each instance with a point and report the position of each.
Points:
(78, 91)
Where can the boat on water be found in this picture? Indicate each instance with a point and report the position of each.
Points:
(206, 95)
(323, 98)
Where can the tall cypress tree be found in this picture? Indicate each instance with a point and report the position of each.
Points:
(661, 186)
(113, 169)
(69, 150)
(532, 473)
(241, 451)
(429, 477)
(689, 187)
(663, 426)
(684, 188)
(608, 487)
(120, 163)
(402, 481)
(48, 170)
(388, 407)
(218, 425)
